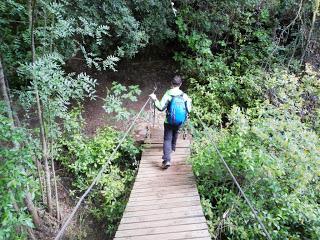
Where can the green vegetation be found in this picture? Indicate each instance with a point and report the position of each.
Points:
(265, 112)
(37, 38)
(83, 157)
(16, 170)
(251, 68)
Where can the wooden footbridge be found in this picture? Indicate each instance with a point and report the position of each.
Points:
(163, 204)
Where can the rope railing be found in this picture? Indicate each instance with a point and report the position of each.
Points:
(267, 235)
(103, 168)
(99, 175)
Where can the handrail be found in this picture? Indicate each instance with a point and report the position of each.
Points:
(233, 178)
(99, 175)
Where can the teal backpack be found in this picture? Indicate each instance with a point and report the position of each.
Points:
(177, 111)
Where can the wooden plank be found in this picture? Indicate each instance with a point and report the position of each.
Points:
(160, 154)
(168, 179)
(159, 230)
(154, 185)
(162, 195)
(163, 201)
(162, 192)
(170, 236)
(157, 166)
(162, 184)
(161, 178)
(179, 144)
(174, 166)
(173, 188)
(162, 211)
(172, 169)
(162, 223)
(162, 174)
(160, 150)
(159, 196)
(150, 158)
(159, 157)
(160, 141)
(163, 216)
(156, 162)
(167, 204)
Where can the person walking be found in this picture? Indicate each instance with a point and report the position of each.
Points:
(178, 106)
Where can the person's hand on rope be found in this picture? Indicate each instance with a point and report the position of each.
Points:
(153, 96)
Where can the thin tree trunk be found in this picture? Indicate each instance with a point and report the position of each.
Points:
(5, 89)
(14, 113)
(56, 190)
(21, 228)
(39, 168)
(28, 201)
(33, 211)
(51, 146)
(42, 131)
(4, 93)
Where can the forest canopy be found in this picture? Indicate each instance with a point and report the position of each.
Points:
(251, 68)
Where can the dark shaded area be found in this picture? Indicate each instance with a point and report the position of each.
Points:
(152, 67)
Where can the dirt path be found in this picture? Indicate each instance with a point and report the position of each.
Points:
(143, 73)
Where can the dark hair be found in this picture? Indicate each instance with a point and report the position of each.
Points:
(176, 81)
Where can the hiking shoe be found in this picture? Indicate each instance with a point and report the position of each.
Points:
(166, 164)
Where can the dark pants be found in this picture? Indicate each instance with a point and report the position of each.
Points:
(169, 141)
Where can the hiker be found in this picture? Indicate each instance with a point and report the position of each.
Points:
(178, 106)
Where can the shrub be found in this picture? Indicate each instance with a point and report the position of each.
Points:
(16, 169)
(83, 157)
(275, 157)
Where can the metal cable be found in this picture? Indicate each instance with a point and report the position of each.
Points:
(98, 177)
(233, 178)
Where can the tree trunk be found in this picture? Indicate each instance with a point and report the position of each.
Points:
(4, 93)
(33, 211)
(21, 228)
(39, 169)
(28, 201)
(56, 190)
(39, 111)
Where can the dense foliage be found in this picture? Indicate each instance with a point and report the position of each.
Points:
(37, 38)
(243, 66)
(83, 157)
(16, 169)
(251, 72)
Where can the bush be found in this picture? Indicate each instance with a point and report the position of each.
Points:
(84, 157)
(275, 157)
(268, 118)
(16, 168)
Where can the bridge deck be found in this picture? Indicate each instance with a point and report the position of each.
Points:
(163, 204)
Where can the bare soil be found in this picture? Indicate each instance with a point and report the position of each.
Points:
(145, 73)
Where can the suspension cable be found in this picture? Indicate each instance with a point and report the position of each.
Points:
(233, 177)
(100, 174)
